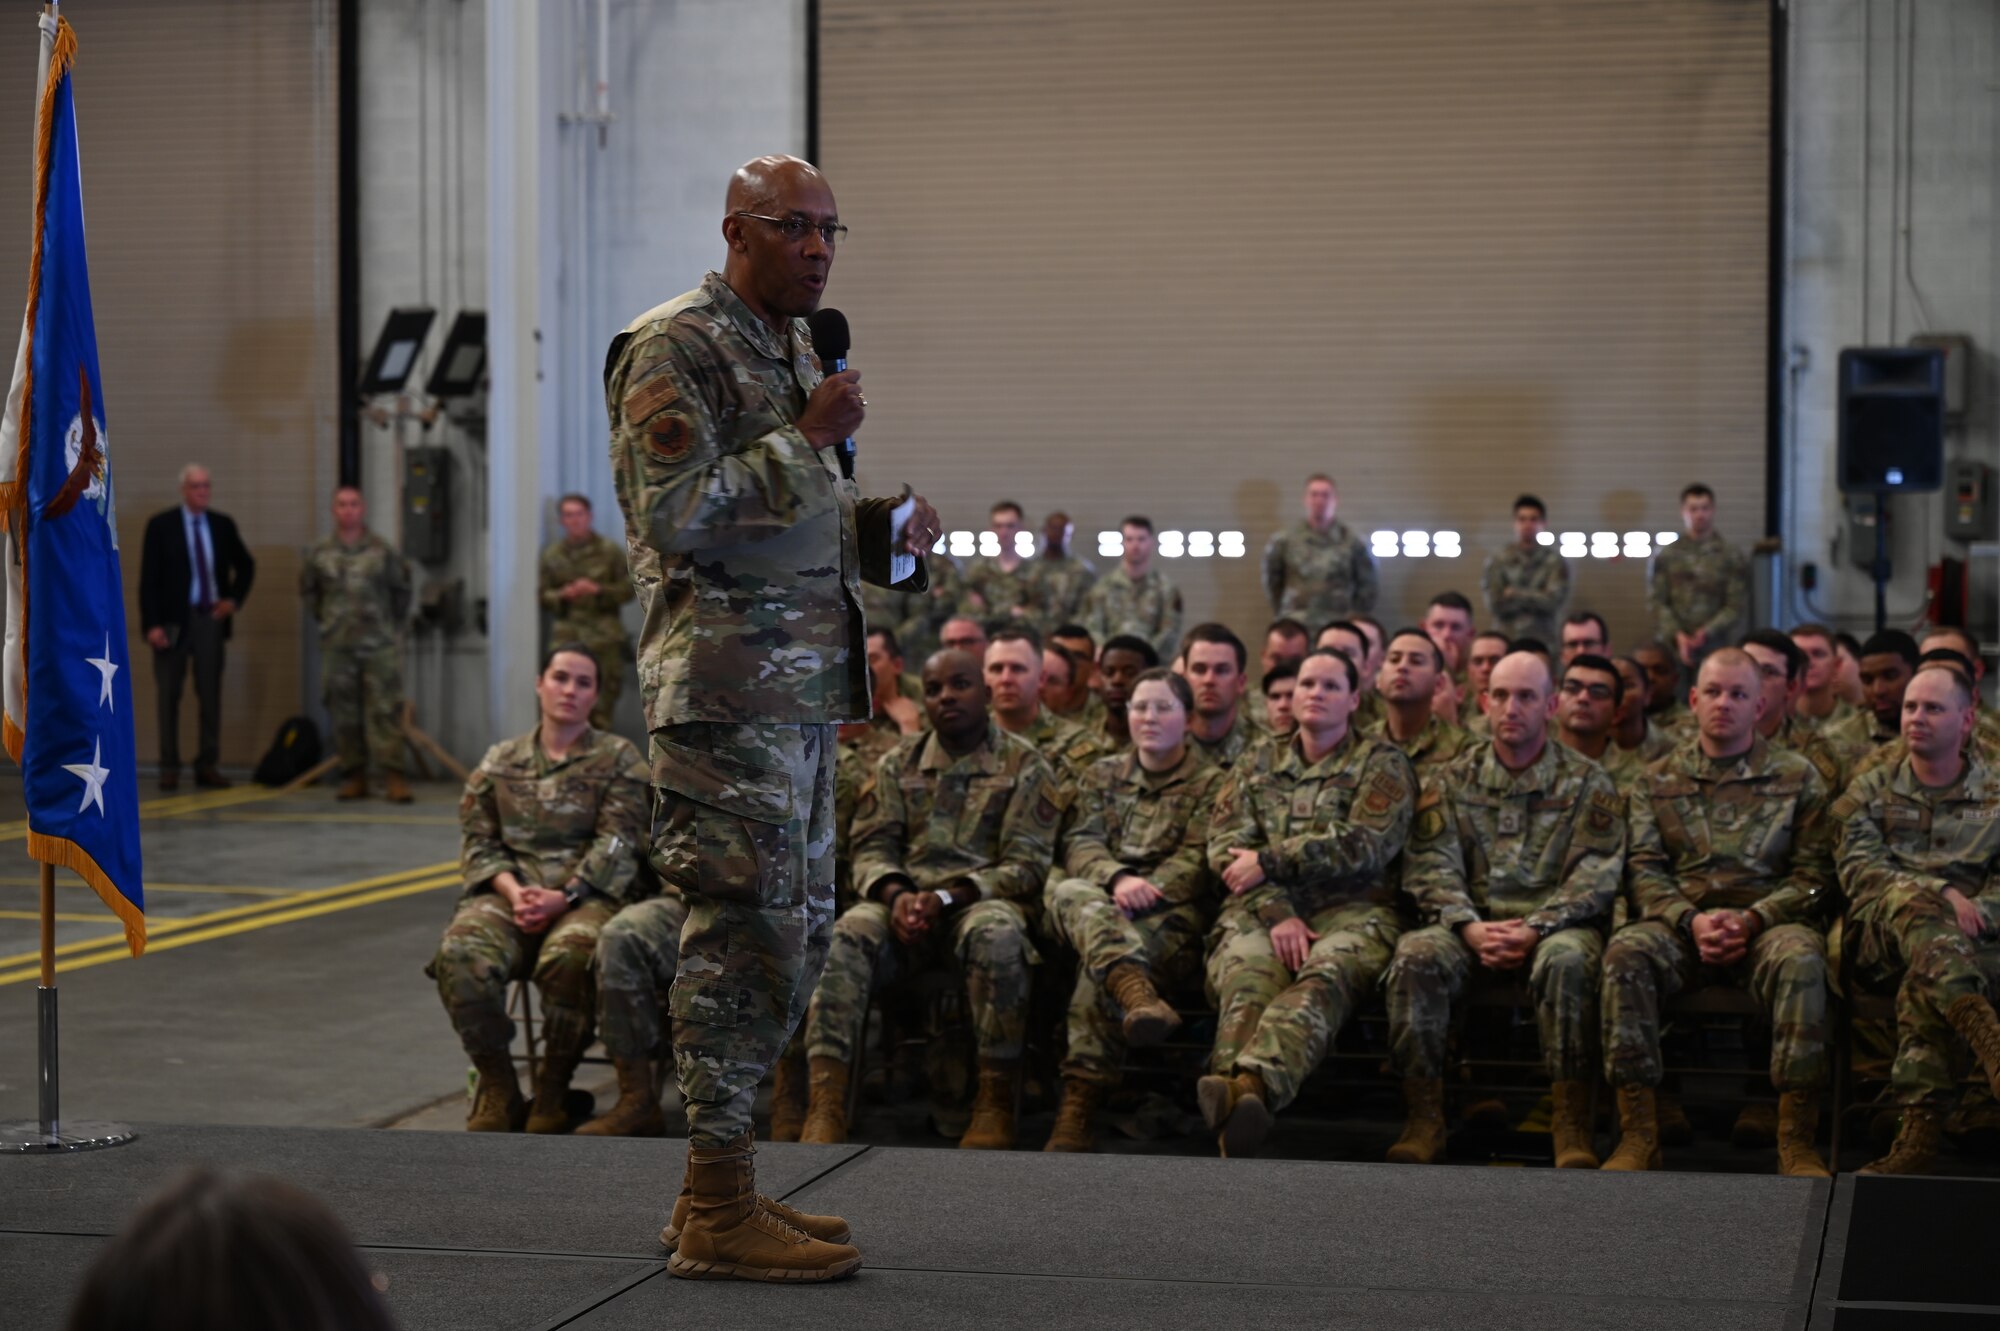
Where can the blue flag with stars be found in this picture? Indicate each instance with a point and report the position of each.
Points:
(68, 696)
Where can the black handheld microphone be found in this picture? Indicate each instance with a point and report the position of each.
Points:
(831, 342)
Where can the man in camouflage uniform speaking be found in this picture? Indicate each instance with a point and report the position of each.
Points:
(953, 838)
(358, 591)
(1729, 857)
(1919, 853)
(752, 650)
(1133, 895)
(1303, 835)
(584, 580)
(1514, 859)
(553, 823)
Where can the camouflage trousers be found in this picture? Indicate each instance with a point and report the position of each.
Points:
(1280, 1025)
(1785, 972)
(363, 691)
(637, 956)
(1433, 967)
(1167, 942)
(484, 950)
(1909, 938)
(743, 831)
(986, 943)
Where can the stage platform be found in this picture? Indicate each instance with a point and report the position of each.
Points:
(479, 1233)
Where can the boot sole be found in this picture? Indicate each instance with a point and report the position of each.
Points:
(591, 1129)
(1212, 1094)
(1248, 1124)
(775, 1275)
(1145, 1032)
(670, 1238)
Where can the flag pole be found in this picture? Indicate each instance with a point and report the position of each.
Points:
(47, 1133)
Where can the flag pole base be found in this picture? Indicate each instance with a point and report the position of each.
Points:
(74, 1135)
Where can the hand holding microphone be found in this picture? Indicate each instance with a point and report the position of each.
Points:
(834, 411)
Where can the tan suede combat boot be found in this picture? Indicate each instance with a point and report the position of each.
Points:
(396, 790)
(1080, 1099)
(497, 1105)
(1798, 1124)
(1973, 1018)
(1756, 1127)
(788, 1097)
(992, 1126)
(1639, 1131)
(1235, 1109)
(826, 1107)
(1916, 1144)
(354, 788)
(727, 1234)
(637, 1113)
(1422, 1142)
(825, 1228)
(1570, 1125)
(1148, 1019)
(548, 1116)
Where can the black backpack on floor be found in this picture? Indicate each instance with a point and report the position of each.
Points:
(292, 754)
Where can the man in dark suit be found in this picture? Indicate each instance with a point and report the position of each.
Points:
(194, 573)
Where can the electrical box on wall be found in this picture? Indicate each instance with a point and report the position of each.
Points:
(427, 505)
(1970, 513)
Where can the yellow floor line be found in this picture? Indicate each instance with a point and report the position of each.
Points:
(102, 917)
(198, 889)
(156, 928)
(168, 944)
(172, 806)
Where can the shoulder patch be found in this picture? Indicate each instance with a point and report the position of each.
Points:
(1429, 825)
(1844, 808)
(669, 438)
(649, 396)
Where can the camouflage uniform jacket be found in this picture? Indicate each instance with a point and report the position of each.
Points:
(1661, 740)
(1858, 744)
(1090, 715)
(1893, 830)
(358, 594)
(998, 590)
(1624, 765)
(1149, 608)
(1154, 824)
(1698, 584)
(1752, 834)
(591, 620)
(1437, 744)
(1526, 589)
(1324, 833)
(1059, 590)
(1842, 709)
(1226, 752)
(1314, 576)
(918, 617)
(584, 818)
(1064, 745)
(1545, 844)
(990, 816)
(761, 544)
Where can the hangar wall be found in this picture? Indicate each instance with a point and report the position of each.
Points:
(1168, 256)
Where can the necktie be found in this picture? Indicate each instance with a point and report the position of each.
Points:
(205, 589)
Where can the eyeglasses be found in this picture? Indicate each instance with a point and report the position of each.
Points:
(1575, 687)
(795, 228)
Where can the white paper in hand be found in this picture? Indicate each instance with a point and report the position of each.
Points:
(901, 566)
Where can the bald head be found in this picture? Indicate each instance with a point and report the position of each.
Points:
(762, 183)
(1519, 698)
(779, 277)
